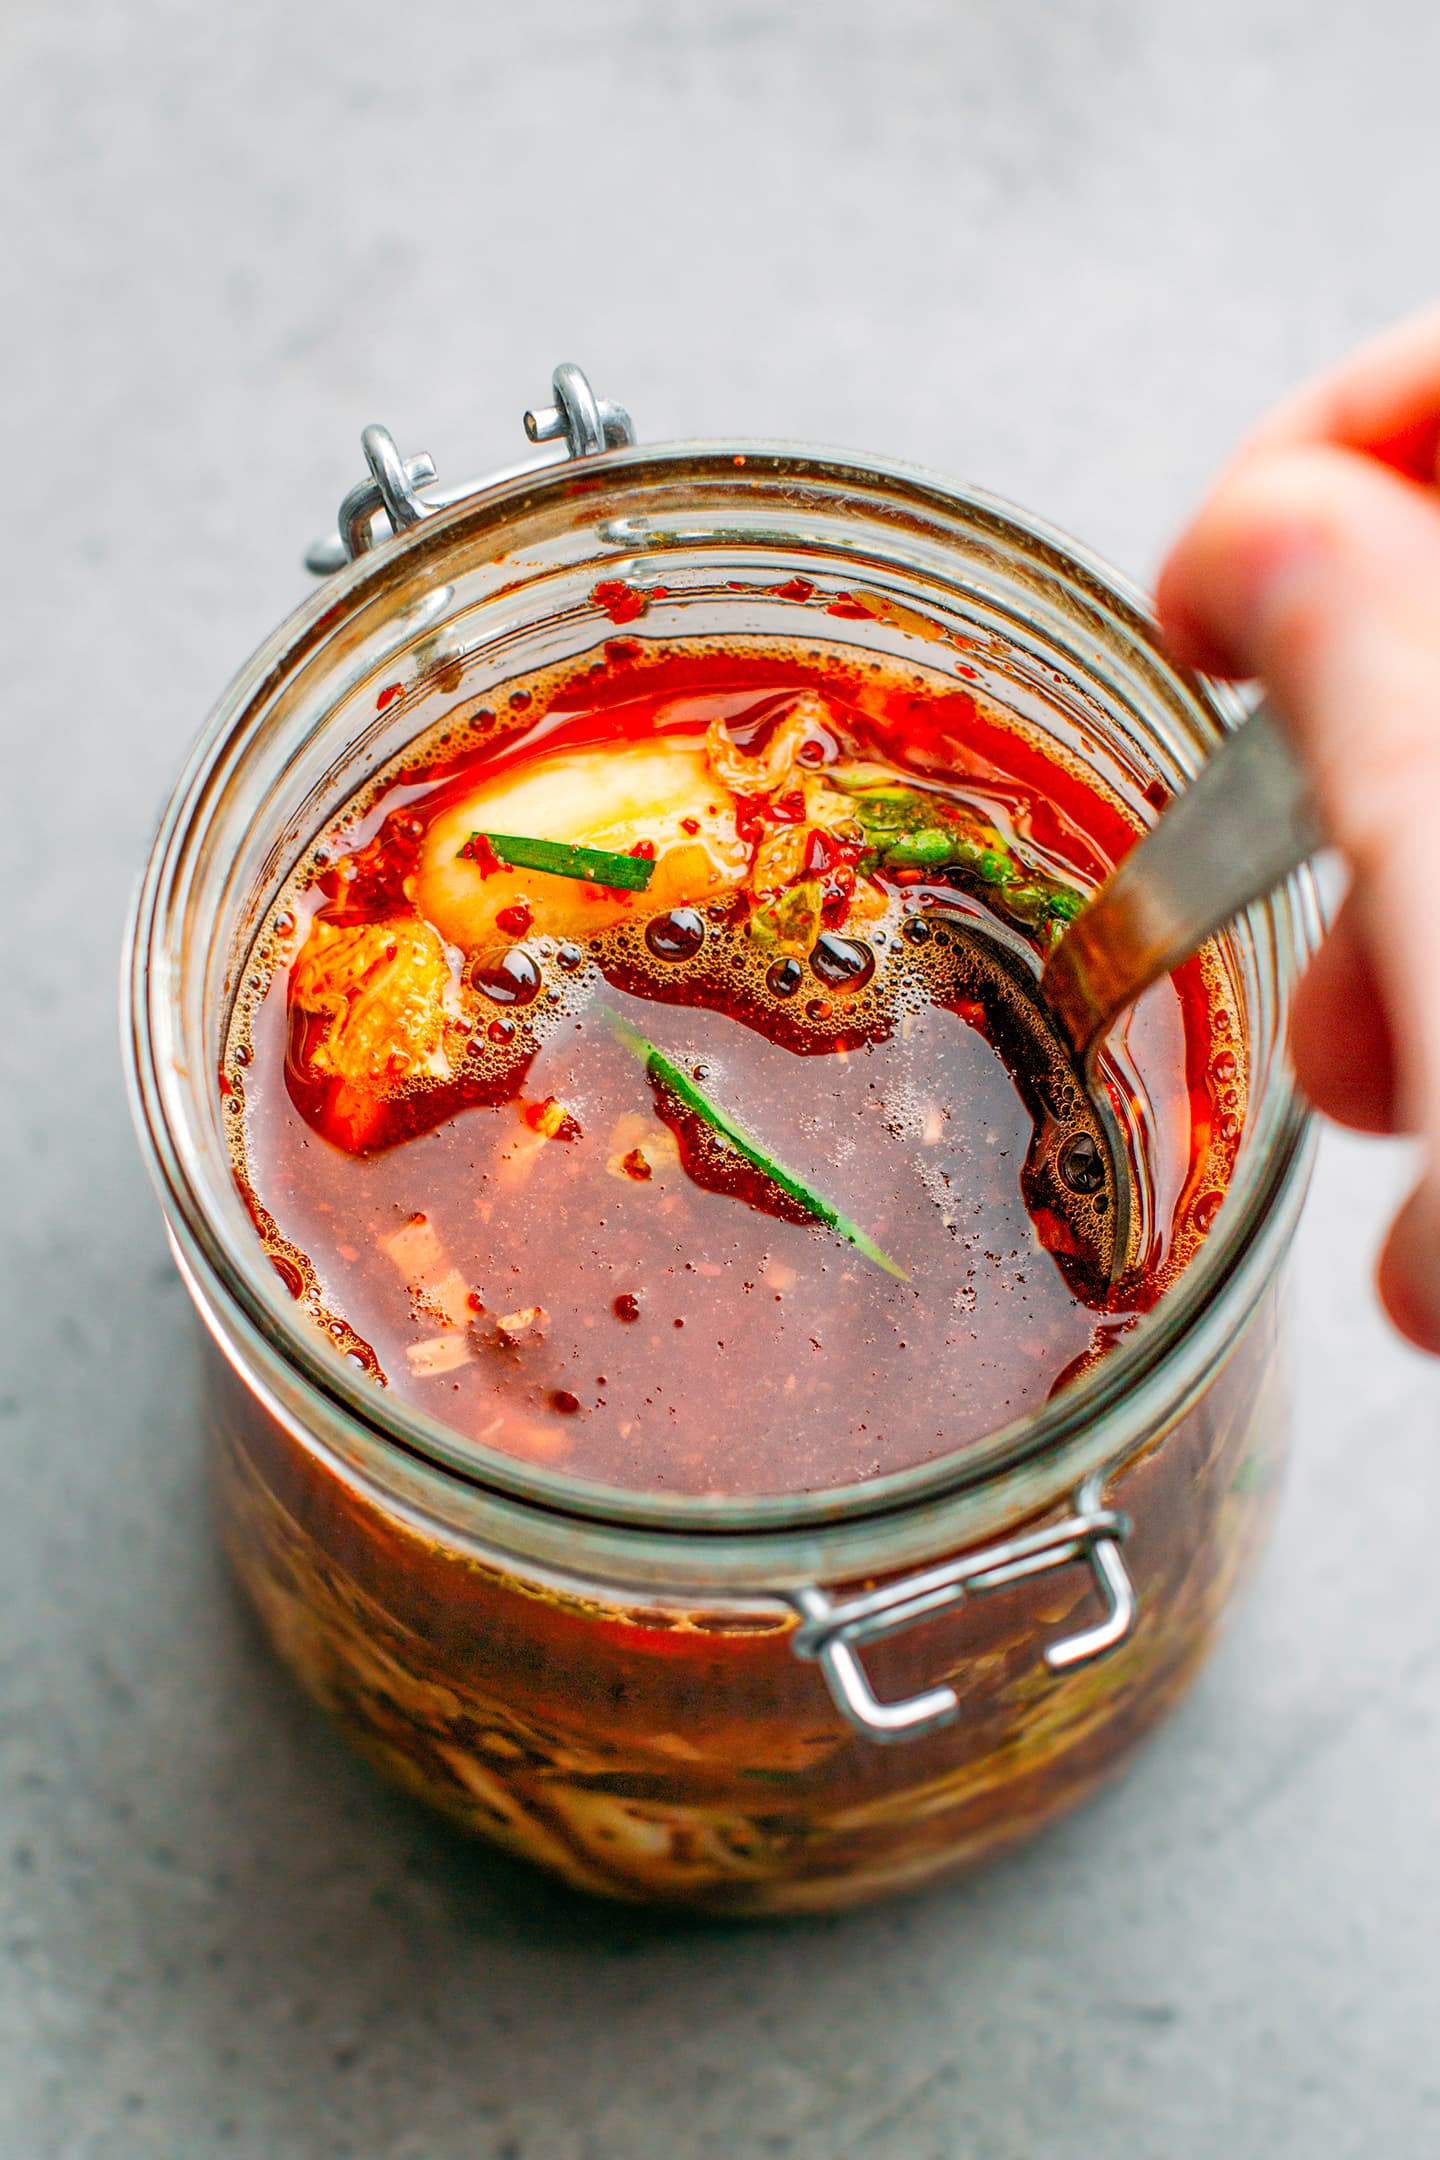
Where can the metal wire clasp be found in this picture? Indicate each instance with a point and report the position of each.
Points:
(585, 423)
(831, 1633)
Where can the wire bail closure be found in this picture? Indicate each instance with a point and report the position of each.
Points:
(830, 1634)
(586, 424)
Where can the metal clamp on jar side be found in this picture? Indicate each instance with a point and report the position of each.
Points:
(584, 423)
(832, 1633)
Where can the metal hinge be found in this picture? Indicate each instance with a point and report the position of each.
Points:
(586, 424)
(831, 1633)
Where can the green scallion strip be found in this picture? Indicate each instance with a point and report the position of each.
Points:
(904, 832)
(597, 866)
(683, 1088)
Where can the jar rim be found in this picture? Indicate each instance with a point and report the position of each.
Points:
(1065, 1435)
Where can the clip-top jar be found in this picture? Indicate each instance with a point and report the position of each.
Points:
(751, 1705)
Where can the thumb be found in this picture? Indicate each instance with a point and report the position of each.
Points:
(1319, 571)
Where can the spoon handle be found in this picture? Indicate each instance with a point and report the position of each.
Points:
(1240, 827)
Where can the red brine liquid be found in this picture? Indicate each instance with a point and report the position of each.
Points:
(718, 1183)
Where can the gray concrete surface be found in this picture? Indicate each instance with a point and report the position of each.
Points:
(1066, 249)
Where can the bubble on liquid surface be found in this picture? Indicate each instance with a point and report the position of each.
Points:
(1082, 1165)
(842, 963)
(512, 980)
(677, 935)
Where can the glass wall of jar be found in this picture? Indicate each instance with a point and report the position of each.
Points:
(751, 1704)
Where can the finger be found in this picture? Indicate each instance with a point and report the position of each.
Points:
(1409, 1272)
(1384, 399)
(1340, 1038)
(1204, 598)
(1320, 571)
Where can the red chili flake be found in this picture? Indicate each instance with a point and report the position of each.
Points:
(795, 588)
(474, 1300)
(626, 1306)
(905, 877)
(819, 853)
(477, 849)
(516, 919)
(635, 1165)
(562, 1400)
(690, 825)
(645, 850)
(388, 696)
(811, 753)
(622, 603)
(750, 816)
(849, 609)
(789, 809)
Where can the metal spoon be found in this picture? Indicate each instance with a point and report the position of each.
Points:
(1240, 828)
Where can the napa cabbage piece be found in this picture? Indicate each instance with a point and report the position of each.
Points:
(777, 765)
(373, 1007)
(659, 795)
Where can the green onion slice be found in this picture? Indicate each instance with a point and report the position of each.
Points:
(597, 866)
(683, 1088)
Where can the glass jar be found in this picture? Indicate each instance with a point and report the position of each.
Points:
(750, 1705)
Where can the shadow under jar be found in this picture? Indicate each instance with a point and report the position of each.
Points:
(762, 1704)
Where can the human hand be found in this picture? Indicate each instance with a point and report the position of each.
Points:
(1315, 565)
